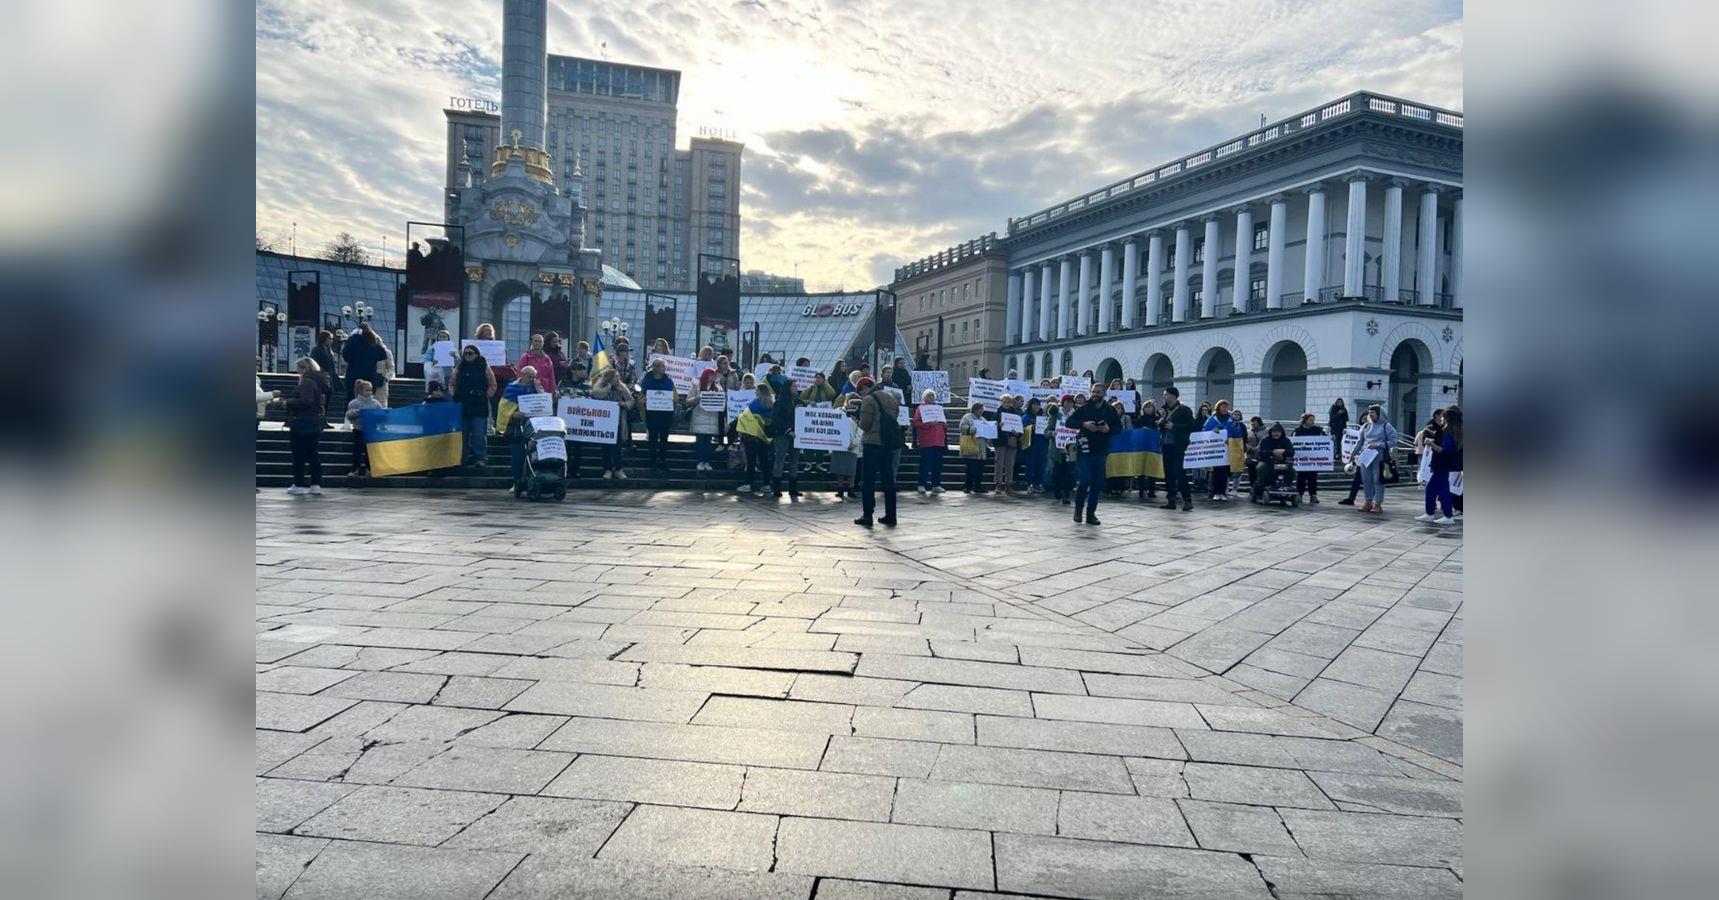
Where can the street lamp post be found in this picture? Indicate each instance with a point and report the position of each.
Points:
(269, 320)
(358, 312)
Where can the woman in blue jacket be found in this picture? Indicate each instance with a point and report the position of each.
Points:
(657, 423)
(1379, 436)
(1221, 421)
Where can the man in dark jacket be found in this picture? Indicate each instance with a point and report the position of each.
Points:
(363, 354)
(781, 431)
(1095, 421)
(1276, 454)
(1175, 425)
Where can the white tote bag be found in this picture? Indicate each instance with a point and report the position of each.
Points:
(1425, 473)
(1456, 483)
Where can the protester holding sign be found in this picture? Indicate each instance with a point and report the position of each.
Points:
(517, 392)
(931, 436)
(1307, 479)
(754, 427)
(972, 447)
(610, 388)
(659, 416)
(1380, 437)
(1037, 440)
(1008, 444)
(1446, 450)
(1094, 422)
(1219, 422)
(708, 406)
(1175, 426)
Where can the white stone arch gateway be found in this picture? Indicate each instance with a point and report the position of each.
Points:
(1418, 331)
(1257, 362)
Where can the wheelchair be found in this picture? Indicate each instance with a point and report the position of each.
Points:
(1279, 488)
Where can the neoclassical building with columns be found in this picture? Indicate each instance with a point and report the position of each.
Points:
(1313, 258)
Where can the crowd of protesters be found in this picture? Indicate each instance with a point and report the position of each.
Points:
(760, 442)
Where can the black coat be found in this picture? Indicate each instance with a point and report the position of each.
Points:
(362, 358)
(1176, 425)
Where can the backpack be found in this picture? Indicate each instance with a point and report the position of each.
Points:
(888, 429)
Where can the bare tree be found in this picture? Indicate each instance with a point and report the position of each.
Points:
(344, 249)
(266, 243)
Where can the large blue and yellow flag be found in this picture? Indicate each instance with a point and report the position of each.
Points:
(599, 357)
(1237, 454)
(1135, 452)
(412, 438)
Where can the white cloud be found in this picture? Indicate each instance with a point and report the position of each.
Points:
(877, 130)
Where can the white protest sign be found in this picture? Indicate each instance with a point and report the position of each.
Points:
(659, 401)
(591, 421)
(444, 353)
(737, 401)
(552, 448)
(987, 391)
(1046, 395)
(985, 429)
(763, 369)
(682, 371)
(1065, 437)
(1313, 453)
(1015, 387)
(712, 401)
(1130, 399)
(821, 429)
(1074, 384)
(902, 415)
(1351, 440)
(800, 377)
(535, 405)
(1366, 458)
(931, 412)
(934, 381)
(1011, 423)
(549, 423)
(1207, 449)
(494, 352)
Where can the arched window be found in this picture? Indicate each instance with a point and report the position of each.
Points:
(1067, 361)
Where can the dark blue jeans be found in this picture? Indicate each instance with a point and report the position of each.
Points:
(476, 439)
(1089, 475)
(930, 467)
(1438, 490)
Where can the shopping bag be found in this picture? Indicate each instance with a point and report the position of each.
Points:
(1456, 483)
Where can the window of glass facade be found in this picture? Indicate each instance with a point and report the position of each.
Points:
(1256, 289)
(1261, 236)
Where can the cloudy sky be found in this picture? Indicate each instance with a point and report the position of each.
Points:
(876, 131)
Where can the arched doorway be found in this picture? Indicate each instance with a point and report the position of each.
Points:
(1217, 376)
(1406, 406)
(1158, 374)
(1286, 382)
(510, 313)
(1109, 370)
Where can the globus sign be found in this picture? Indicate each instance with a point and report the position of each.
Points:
(821, 310)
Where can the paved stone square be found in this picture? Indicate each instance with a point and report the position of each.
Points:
(642, 694)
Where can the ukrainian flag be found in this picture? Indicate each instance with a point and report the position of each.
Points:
(599, 357)
(1238, 454)
(1135, 452)
(412, 438)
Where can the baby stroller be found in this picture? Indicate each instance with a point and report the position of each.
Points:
(544, 476)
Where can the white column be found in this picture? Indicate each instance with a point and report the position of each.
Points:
(1391, 266)
(1028, 284)
(1209, 270)
(1047, 308)
(1279, 225)
(1013, 310)
(1179, 287)
(1106, 278)
(1313, 272)
(1426, 273)
(1456, 251)
(1064, 315)
(1130, 274)
(1355, 237)
(1154, 276)
(1083, 297)
(1244, 258)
